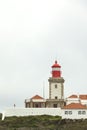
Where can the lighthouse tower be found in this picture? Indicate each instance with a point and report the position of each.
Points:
(56, 87)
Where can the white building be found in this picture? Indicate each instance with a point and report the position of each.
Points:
(77, 99)
(83, 99)
(74, 111)
(72, 99)
(35, 102)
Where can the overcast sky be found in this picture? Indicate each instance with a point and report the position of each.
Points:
(33, 33)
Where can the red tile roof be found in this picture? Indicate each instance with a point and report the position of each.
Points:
(37, 97)
(83, 97)
(75, 106)
(73, 96)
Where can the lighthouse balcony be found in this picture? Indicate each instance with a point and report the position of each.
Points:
(58, 79)
(56, 100)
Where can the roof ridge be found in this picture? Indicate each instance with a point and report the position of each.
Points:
(37, 97)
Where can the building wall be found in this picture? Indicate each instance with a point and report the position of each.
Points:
(35, 104)
(64, 113)
(75, 100)
(30, 111)
(54, 103)
(55, 90)
(72, 100)
(84, 102)
(74, 113)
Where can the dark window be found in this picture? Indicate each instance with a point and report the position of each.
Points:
(55, 85)
(54, 105)
(36, 105)
(56, 97)
(66, 112)
(70, 112)
(83, 112)
(79, 112)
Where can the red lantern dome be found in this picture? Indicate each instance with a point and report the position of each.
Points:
(56, 70)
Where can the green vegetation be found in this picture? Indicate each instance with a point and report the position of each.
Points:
(44, 122)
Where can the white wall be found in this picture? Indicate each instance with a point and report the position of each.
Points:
(31, 111)
(84, 102)
(72, 100)
(73, 113)
(56, 91)
(75, 100)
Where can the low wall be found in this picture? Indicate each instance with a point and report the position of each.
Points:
(30, 111)
(64, 113)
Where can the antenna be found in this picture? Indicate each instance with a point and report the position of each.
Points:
(56, 58)
(43, 90)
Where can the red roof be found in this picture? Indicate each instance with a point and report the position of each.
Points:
(83, 97)
(73, 96)
(56, 65)
(36, 97)
(75, 106)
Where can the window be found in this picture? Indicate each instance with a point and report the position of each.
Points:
(36, 105)
(66, 112)
(54, 105)
(83, 112)
(70, 112)
(79, 112)
(56, 97)
(55, 85)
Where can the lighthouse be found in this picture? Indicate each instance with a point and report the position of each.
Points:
(56, 87)
(56, 91)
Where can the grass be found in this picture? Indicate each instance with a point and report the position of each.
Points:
(44, 122)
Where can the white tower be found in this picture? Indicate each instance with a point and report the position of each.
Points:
(56, 87)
